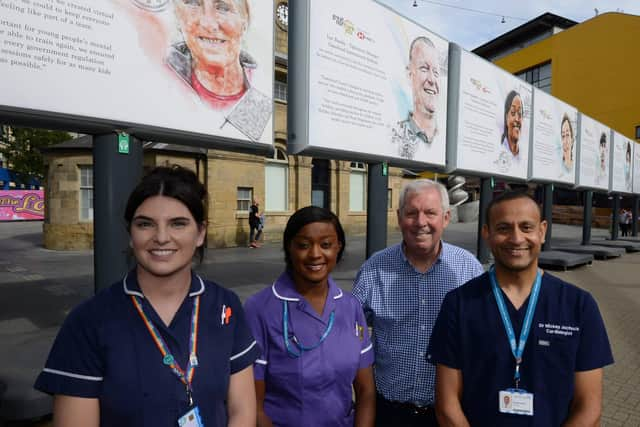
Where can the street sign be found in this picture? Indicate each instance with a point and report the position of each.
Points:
(123, 143)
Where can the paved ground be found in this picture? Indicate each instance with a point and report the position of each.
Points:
(38, 287)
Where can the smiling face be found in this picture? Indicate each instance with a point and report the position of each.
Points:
(513, 119)
(515, 233)
(567, 142)
(313, 253)
(422, 221)
(164, 236)
(213, 30)
(424, 73)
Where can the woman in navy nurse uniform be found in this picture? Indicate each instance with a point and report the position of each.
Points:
(313, 335)
(163, 346)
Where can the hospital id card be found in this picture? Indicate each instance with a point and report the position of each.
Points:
(517, 402)
(191, 418)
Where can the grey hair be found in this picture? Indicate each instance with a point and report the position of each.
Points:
(420, 185)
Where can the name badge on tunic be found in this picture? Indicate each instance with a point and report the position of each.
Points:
(515, 401)
(191, 418)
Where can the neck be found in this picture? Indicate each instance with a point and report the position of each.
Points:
(422, 261)
(165, 294)
(426, 122)
(516, 285)
(513, 146)
(223, 81)
(315, 293)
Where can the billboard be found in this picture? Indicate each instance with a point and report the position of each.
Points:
(490, 118)
(622, 164)
(553, 144)
(147, 66)
(593, 154)
(366, 84)
(18, 205)
(636, 170)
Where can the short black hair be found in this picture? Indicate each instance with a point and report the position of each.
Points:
(176, 182)
(306, 216)
(506, 196)
(603, 139)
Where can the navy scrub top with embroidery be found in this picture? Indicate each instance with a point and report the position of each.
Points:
(104, 351)
(567, 335)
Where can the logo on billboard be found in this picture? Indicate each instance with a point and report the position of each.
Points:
(350, 28)
(479, 86)
(545, 114)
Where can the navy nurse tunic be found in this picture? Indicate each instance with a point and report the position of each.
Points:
(104, 351)
(314, 389)
(567, 335)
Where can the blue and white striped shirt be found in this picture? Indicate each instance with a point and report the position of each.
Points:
(402, 304)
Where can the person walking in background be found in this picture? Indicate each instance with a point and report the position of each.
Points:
(163, 346)
(518, 346)
(401, 289)
(314, 338)
(255, 224)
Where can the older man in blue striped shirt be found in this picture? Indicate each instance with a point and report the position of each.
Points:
(401, 289)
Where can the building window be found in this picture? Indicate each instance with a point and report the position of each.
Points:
(637, 132)
(357, 187)
(86, 193)
(389, 200)
(539, 76)
(244, 199)
(276, 181)
(280, 87)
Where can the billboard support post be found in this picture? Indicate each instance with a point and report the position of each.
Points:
(486, 194)
(377, 184)
(115, 176)
(634, 215)
(547, 214)
(615, 209)
(587, 216)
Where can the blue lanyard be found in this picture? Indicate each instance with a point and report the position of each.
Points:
(285, 333)
(528, 319)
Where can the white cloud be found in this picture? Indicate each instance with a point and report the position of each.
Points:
(471, 29)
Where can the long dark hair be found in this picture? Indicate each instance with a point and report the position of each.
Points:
(507, 106)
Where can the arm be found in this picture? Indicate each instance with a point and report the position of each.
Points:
(448, 397)
(263, 419)
(70, 411)
(365, 391)
(241, 402)
(586, 406)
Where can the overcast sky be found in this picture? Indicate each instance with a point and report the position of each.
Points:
(472, 29)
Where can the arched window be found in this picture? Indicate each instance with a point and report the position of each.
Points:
(276, 181)
(357, 187)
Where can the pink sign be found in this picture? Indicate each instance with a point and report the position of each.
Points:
(17, 205)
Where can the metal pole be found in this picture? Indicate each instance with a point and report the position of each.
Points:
(377, 185)
(587, 217)
(634, 215)
(547, 214)
(115, 175)
(614, 216)
(486, 194)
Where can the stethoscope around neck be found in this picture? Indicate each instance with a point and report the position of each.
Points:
(301, 347)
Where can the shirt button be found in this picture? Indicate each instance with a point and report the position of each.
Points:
(423, 327)
(424, 301)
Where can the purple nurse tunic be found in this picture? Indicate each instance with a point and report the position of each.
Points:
(314, 388)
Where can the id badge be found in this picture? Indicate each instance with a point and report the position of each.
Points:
(514, 401)
(191, 418)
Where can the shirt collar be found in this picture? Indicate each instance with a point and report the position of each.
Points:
(284, 289)
(441, 255)
(419, 133)
(131, 286)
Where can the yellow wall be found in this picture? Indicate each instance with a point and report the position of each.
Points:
(595, 66)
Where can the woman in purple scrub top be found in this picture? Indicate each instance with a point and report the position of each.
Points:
(314, 338)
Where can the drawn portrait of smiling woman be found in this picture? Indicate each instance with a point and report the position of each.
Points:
(512, 123)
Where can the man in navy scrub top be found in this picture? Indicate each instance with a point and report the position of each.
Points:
(518, 346)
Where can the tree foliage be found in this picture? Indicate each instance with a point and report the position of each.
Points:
(21, 149)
